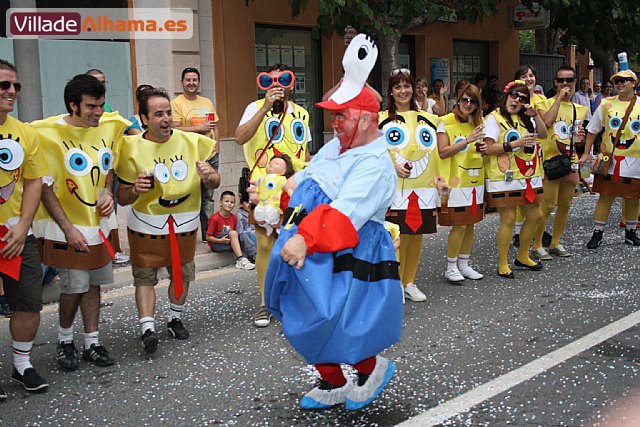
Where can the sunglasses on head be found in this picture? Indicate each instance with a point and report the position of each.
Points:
(523, 99)
(469, 101)
(622, 80)
(283, 79)
(397, 71)
(565, 79)
(5, 85)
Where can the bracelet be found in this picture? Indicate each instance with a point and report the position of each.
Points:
(506, 146)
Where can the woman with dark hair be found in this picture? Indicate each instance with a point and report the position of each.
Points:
(527, 73)
(461, 140)
(514, 170)
(411, 140)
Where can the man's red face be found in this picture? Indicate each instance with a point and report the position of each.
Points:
(345, 123)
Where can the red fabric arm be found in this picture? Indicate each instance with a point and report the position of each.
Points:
(284, 201)
(327, 229)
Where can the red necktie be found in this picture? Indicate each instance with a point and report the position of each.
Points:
(616, 169)
(107, 244)
(474, 202)
(176, 266)
(529, 194)
(413, 217)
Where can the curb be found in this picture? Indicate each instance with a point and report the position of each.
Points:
(122, 274)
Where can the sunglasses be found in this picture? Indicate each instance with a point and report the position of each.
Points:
(284, 79)
(469, 101)
(5, 85)
(523, 99)
(565, 79)
(397, 71)
(623, 80)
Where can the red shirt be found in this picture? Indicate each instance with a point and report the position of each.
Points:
(217, 223)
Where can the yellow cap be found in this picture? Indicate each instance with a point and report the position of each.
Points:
(625, 73)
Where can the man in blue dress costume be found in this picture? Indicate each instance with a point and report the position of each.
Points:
(332, 279)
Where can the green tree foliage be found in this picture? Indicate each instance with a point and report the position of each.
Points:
(390, 19)
(602, 27)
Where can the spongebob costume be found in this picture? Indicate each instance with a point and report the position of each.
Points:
(173, 205)
(79, 162)
(292, 139)
(411, 137)
(558, 192)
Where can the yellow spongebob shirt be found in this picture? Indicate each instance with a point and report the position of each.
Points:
(558, 140)
(292, 137)
(466, 168)
(412, 138)
(526, 168)
(20, 159)
(175, 195)
(79, 161)
(626, 157)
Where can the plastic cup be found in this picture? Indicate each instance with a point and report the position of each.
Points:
(149, 175)
(211, 117)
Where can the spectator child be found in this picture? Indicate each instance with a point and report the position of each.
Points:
(246, 232)
(221, 233)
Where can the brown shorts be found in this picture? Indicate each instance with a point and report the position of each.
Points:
(428, 225)
(148, 276)
(627, 188)
(460, 216)
(26, 294)
(505, 199)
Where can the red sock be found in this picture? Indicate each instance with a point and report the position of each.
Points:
(332, 373)
(366, 366)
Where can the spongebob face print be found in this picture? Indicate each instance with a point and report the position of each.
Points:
(411, 137)
(291, 139)
(562, 129)
(11, 158)
(87, 170)
(467, 169)
(171, 189)
(613, 112)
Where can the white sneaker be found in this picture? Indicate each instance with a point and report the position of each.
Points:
(541, 254)
(469, 273)
(559, 251)
(121, 258)
(453, 275)
(244, 264)
(414, 293)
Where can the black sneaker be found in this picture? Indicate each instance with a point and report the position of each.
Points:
(630, 238)
(3, 394)
(6, 310)
(67, 356)
(177, 329)
(30, 380)
(98, 355)
(516, 240)
(150, 341)
(595, 239)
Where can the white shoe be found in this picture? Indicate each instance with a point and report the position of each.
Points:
(324, 395)
(414, 293)
(120, 258)
(541, 254)
(469, 273)
(559, 251)
(244, 264)
(453, 275)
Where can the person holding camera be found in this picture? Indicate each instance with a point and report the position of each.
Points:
(563, 120)
(271, 126)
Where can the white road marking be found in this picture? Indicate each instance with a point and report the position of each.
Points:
(463, 403)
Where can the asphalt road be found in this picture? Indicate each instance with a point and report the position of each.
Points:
(550, 348)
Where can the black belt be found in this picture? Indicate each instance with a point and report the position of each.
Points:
(366, 271)
(297, 219)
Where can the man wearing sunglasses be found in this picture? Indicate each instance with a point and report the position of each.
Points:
(190, 113)
(258, 125)
(22, 166)
(622, 177)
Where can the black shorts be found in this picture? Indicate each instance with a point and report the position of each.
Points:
(26, 293)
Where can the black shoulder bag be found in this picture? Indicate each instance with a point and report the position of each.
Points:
(560, 166)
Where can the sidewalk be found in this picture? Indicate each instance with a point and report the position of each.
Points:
(205, 260)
